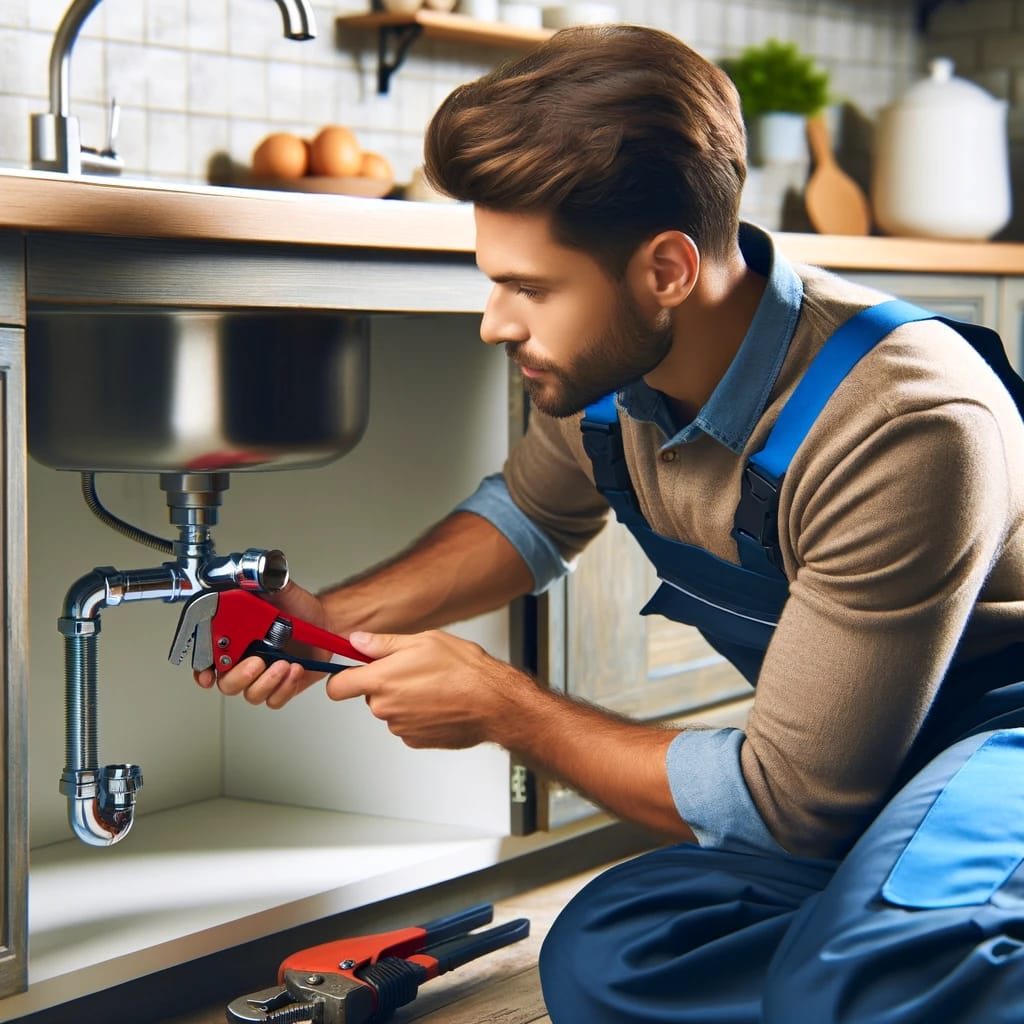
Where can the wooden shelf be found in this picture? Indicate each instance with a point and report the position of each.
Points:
(453, 27)
(397, 32)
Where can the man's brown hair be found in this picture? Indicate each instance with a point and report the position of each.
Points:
(617, 131)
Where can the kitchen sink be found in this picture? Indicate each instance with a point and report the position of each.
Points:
(150, 389)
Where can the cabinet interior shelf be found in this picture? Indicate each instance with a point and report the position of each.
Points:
(397, 32)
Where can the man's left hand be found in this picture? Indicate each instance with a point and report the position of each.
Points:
(432, 689)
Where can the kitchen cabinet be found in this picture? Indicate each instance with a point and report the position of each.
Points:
(252, 822)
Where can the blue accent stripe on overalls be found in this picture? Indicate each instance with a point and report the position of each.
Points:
(972, 838)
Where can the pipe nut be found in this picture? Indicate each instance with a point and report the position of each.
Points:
(79, 784)
(69, 627)
(121, 780)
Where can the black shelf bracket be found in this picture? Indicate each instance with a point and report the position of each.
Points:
(924, 12)
(393, 42)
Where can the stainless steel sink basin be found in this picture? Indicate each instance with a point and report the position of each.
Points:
(190, 390)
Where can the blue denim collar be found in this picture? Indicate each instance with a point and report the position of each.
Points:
(740, 397)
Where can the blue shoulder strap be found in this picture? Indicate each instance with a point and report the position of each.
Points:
(756, 523)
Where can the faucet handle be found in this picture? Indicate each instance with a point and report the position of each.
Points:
(113, 126)
(105, 161)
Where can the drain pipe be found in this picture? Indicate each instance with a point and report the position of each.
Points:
(101, 801)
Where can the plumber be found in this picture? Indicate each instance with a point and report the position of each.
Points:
(830, 484)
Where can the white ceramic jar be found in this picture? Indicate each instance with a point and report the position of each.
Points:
(941, 166)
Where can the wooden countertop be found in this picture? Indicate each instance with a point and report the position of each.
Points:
(36, 201)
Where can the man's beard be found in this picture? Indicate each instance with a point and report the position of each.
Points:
(627, 350)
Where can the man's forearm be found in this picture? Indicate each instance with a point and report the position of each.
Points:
(462, 567)
(619, 764)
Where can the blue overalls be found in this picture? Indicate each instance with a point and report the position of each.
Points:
(922, 921)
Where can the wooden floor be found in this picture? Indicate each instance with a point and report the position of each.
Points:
(499, 988)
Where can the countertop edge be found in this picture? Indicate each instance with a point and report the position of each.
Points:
(40, 202)
(51, 203)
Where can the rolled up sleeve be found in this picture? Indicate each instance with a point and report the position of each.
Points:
(492, 501)
(710, 793)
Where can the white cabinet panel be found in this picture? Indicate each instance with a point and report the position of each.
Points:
(1011, 319)
(962, 296)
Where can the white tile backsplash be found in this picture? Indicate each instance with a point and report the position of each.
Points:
(192, 73)
(208, 83)
(207, 25)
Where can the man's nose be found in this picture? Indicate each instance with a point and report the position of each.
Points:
(500, 324)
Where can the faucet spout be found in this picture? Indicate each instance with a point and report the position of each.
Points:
(60, 54)
(299, 20)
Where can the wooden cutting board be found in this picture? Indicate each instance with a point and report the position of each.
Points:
(836, 204)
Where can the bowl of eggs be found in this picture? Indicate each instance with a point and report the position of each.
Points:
(331, 161)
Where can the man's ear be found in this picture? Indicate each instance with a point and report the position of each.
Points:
(664, 268)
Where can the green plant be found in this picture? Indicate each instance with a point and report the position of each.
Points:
(776, 76)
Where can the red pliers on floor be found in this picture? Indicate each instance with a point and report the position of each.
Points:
(221, 627)
(365, 979)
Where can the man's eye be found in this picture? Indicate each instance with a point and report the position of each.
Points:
(530, 293)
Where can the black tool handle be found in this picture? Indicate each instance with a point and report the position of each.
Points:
(271, 654)
(456, 952)
(395, 982)
(462, 921)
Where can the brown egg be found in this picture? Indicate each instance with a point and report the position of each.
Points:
(335, 152)
(373, 165)
(281, 155)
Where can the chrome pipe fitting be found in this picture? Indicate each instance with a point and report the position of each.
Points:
(254, 569)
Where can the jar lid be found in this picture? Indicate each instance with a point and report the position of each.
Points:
(943, 88)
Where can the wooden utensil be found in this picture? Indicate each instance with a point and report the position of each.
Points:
(836, 204)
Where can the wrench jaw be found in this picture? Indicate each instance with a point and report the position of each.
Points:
(195, 632)
(265, 1004)
(307, 997)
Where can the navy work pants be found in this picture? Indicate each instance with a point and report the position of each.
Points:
(923, 921)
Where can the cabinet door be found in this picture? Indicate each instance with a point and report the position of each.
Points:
(595, 645)
(13, 729)
(1011, 319)
(962, 296)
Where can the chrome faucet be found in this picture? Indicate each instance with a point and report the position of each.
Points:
(56, 143)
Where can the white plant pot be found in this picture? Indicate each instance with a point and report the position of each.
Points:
(778, 137)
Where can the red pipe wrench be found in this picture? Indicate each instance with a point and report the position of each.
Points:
(365, 979)
(221, 627)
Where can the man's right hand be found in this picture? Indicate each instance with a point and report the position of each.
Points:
(274, 684)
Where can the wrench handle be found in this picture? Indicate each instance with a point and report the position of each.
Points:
(306, 633)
